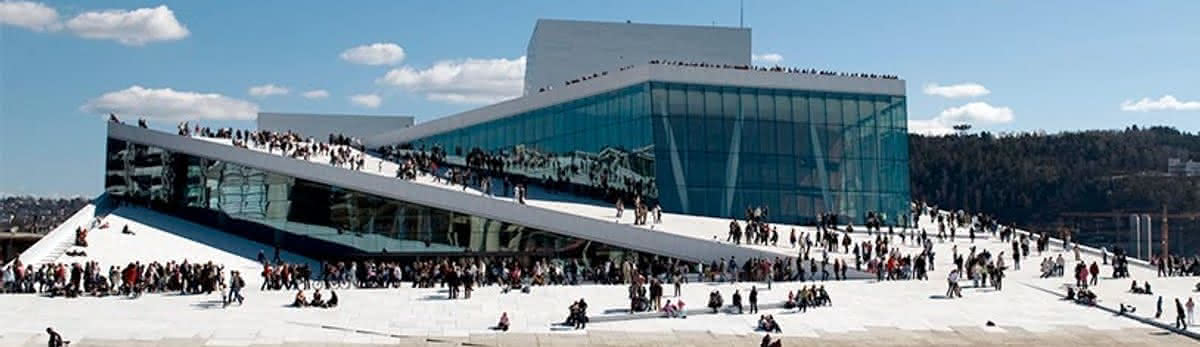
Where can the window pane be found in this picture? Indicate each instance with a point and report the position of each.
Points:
(749, 104)
(866, 111)
(802, 139)
(696, 140)
(766, 105)
(659, 100)
(695, 101)
(784, 138)
(766, 136)
(719, 132)
(676, 102)
(783, 107)
(850, 111)
(787, 171)
(900, 117)
(833, 111)
(712, 103)
(729, 103)
(800, 109)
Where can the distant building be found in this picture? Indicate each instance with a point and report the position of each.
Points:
(1178, 167)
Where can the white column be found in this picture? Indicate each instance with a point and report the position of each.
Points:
(1148, 224)
(1135, 226)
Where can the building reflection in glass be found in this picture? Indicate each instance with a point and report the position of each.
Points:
(323, 219)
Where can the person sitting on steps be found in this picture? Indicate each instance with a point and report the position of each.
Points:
(503, 324)
(300, 300)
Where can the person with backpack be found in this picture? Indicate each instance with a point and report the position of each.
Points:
(236, 283)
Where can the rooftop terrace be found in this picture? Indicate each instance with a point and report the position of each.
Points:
(865, 312)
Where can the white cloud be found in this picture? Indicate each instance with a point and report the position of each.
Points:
(462, 81)
(366, 100)
(978, 112)
(167, 104)
(930, 127)
(375, 54)
(974, 113)
(1165, 103)
(29, 15)
(129, 27)
(960, 90)
(316, 94)
(267, 90)
(767, 58)
(133, 28)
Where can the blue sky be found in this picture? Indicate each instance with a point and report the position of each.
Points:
(1000, 65)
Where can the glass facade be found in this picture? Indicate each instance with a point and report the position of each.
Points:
(602, 141)
(317, 219)
(718, 150)
(794, 153)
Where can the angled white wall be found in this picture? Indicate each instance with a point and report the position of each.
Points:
(620, 235)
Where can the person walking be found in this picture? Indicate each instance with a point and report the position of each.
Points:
(656, 293)
(677, 280)
(1180, 323)
(1190, 306)
(1095, 270)
(236, 283)
(1158, 311)
(737, 300)
(754, 300)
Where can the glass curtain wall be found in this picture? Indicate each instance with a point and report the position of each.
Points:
(602, 141)
(794, 153)
(716, 150)
(242, 199)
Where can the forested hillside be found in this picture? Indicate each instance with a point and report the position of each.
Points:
(1032, 178)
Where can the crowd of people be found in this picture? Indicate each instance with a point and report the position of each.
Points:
(1120, 263)
(773, 69)
(1176, 265)
(317, 299)
(131, 280)
(776, 68)
(756, 232)
(879, 252)
(284, 276)
(463, 275)
(755, 269)
(807, 296)
(1083, 296)
(641, 211)
(1086, 275)
(580, 79)
(342, 151)
(411, 164)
